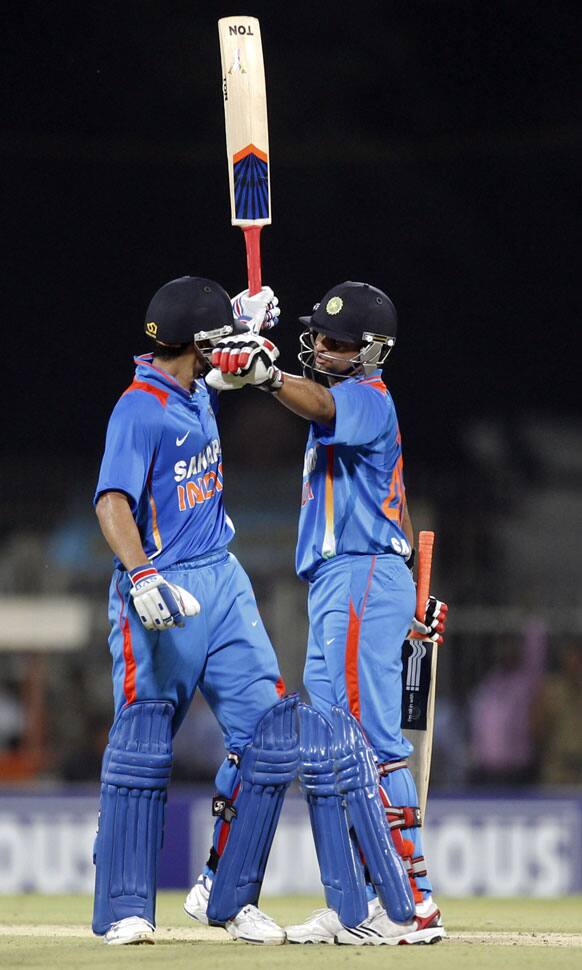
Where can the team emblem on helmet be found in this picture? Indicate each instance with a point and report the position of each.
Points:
(334, 305)
(152, 328)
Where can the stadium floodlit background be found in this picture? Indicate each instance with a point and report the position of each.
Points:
(432, 148)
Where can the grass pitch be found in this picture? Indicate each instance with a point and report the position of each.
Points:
(54, 932)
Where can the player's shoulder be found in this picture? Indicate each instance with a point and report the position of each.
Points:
(141, 399)
(373, 384)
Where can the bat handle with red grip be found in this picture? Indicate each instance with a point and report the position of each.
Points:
(253, 248)
(425, 548)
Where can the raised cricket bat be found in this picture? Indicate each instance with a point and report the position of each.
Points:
(247, 134)
(419, 669)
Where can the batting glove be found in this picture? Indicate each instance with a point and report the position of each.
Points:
(258, 312)
(245, 359)
(160, 604)
(435, 619)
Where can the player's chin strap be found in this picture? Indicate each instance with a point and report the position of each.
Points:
(342, 872)
(267, 767)
(134, 779)
(357, 782)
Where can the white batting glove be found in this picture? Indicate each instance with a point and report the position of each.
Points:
(435, 620)
(259, 312)
(160, 604)
(245, 359)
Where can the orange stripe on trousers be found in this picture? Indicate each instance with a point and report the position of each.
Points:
(352, 650)
(130, 664)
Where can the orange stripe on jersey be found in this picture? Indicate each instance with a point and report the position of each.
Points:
(280, 687)
(328, 548)
(353, 647)
(155, 530)
(162, 396)
(395, 495)
(377, 384)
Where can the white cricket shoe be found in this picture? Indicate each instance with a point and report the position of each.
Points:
(132, 929)
(254, 926)
(380, 930)
(320, 927)
(196, 902)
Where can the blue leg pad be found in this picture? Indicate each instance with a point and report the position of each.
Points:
(342, 872)
(357, 781)
(267, 768)
(135, 775)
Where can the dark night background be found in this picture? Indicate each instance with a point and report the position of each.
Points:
(431, 148)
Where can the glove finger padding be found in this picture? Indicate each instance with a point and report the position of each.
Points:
(187, 604)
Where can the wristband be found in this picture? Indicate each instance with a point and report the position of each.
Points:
(140, 573)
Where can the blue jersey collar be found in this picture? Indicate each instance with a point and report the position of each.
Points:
(145, 371)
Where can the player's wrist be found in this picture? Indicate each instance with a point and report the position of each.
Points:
(142, 574)
(274, 382)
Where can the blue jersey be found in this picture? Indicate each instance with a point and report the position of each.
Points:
(163, 451)
(353, 487)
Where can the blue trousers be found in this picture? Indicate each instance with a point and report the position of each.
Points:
(225, 650)
(360, 609)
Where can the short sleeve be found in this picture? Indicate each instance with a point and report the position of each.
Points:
(362, 413)
(132, 437)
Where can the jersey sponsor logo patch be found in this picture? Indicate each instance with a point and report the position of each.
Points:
(180, 441)
(197, 491)
(198, 463)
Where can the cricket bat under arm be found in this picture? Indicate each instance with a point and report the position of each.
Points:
(419, 670)
(247, 134)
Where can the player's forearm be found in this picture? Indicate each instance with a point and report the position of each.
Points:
(119, 529)
(307, 399)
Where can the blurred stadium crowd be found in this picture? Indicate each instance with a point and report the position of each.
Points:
(510, 672)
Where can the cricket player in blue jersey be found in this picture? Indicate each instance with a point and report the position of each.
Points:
(354, 549)
(183, 615)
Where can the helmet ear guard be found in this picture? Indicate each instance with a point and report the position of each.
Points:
(375, 350)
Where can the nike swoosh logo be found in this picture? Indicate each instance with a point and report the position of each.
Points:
(180, 441)
(254, 623)
(327, 642)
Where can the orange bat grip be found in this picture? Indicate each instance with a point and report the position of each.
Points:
(425, 547)
(253, 248)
